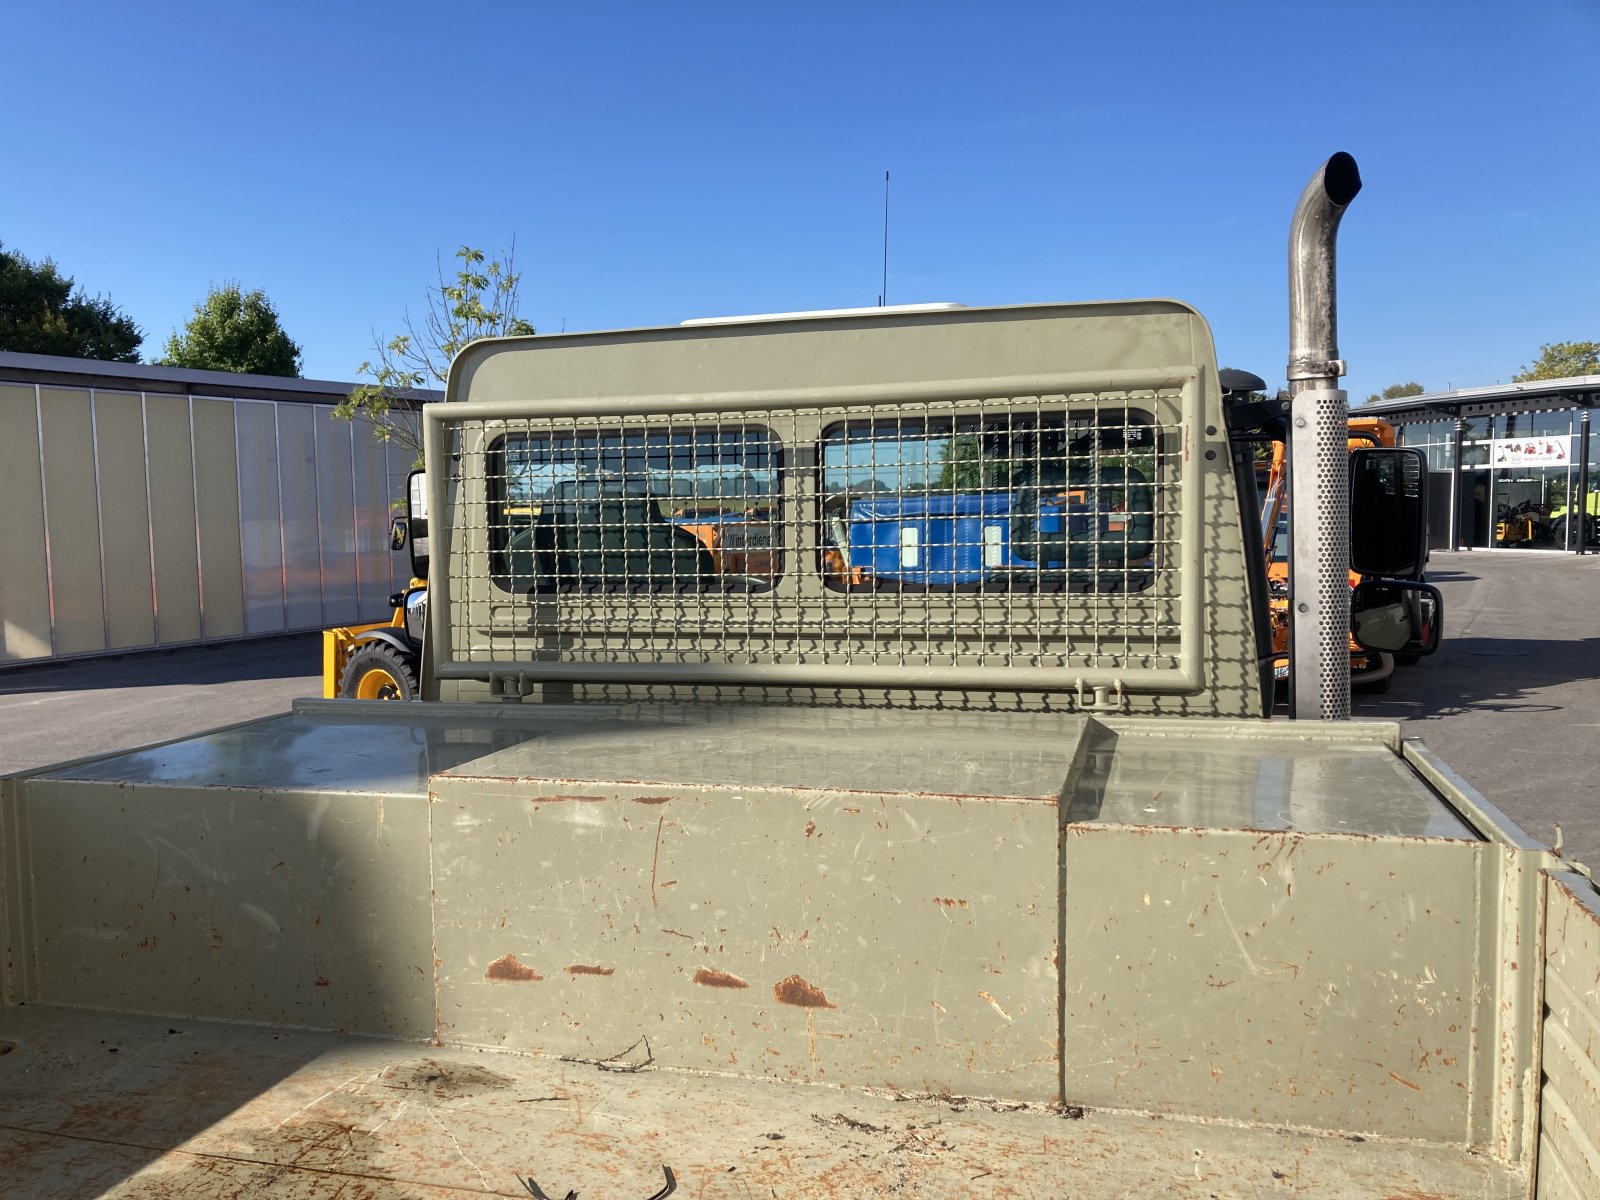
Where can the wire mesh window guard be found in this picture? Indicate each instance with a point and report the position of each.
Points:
(1022, 541)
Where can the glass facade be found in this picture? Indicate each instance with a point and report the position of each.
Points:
(1517, 484)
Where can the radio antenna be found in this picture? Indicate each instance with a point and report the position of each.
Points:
(883, 296)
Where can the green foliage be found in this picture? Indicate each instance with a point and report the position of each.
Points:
(1396, 391)
(41, 313)
(233, 330)
(480, 302)
(1562, 360)
(968, 469)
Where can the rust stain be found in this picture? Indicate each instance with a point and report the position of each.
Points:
(798, 992)
(508, 968)
(651, 799)
(216, 939)
(948, 903)
(708, 977)
(655, 861)
(1415, 1087)
(994, 1004)
(580, 969)
(811, 828)
(149, 943)
(322, 981)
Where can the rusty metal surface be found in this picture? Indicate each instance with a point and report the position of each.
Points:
(849, 938)
(136, 1109)
(1276, 977)
(1569, 1125)
(866, 899)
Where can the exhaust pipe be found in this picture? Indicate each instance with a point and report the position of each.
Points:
(1313, 306)
(1319, 584)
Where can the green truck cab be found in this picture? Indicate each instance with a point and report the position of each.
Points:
(801, 881)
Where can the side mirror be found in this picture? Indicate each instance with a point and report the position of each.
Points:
(399, 530)
(1396, 614)
(416, 521)
(1388, 512)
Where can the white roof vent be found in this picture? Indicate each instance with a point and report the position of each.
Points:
(818, 313)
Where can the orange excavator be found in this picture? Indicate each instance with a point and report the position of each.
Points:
(1370, 670)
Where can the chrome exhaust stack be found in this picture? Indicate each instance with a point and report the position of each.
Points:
(1319, 586)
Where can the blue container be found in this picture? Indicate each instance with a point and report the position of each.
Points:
(935, 540)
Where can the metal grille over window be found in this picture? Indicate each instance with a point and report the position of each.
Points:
(1012, 543)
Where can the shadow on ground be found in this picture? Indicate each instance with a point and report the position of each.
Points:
(1496, 674)
(290, 656)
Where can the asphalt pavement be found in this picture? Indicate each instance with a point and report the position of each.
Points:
(61, 711)
(1511, 700)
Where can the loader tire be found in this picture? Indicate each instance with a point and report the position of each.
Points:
(377, 671)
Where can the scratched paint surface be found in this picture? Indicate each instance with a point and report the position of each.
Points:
(904, 941)
(137, 1109)
(297, 908)
(1569, 1128)
(1313, 980)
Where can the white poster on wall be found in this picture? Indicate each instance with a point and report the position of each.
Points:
(1532, 451)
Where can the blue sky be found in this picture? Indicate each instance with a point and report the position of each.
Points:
(662, 161)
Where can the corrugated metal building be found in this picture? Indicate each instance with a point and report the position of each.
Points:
(153, 506)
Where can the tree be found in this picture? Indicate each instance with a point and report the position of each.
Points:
(41, 312)
(481, 302)
(1396, 391)
(233, 330)
(1562, 360)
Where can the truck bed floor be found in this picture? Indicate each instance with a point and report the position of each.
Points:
(124, 1106)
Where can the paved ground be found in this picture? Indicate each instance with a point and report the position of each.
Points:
(1512, 699)
(50, 714)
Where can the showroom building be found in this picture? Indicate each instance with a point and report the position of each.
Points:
(1510, 466)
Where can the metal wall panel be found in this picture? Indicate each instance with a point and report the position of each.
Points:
(336, 519)
(288, 907)
(172, 523)
(1569, 1100)
(124, 519)
(72, 510)
(216, 475)
(401, 459)
(902, 941)
(372, 498)
(1274, 977)
(148, 519)
(260, 515)
(24, 572)
(297, 489)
